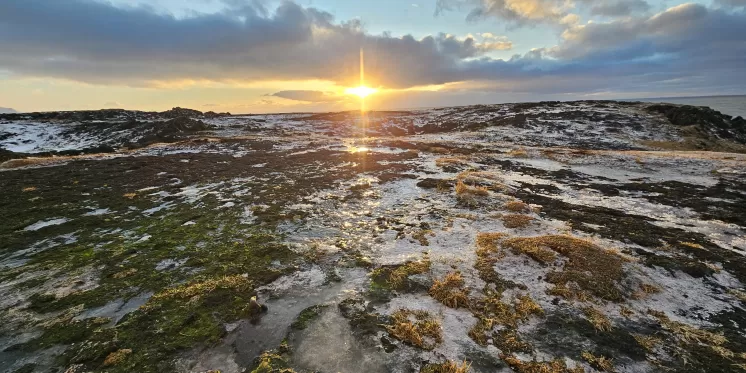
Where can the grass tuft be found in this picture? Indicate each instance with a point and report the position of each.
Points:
(125, 273)
(23, 162)
(598, 319)
(465, 190)
(533, 247)
(450, 291)
(475, 175)
(650, 289)
(692, 245)
(554, 366)
(686, 333)
(450, 162)
(397, 277)
(196, 290)
(447, 367)
(525, 306)
(117, 357)
(487, 243)
(488, 180)
(421, 236)
(417, 328)
(592, 268)
(478, 332)
(400, 275)
(601, 363)
(570, 291)
(645, 290)
(518, 153)
(486, 261)
(738, 294)
(492, 311)
(508, 341)
(487, 255)
(517, 206)
(516, 221)
(648, 342)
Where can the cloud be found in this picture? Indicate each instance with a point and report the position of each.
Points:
(7, 110)
(689, 32)
(618, 8)
(490, 41)
(688, 47)
(100, 43)
(305, 95)
(471, 45)
(516, 11)
(731, 3)
(532, 12)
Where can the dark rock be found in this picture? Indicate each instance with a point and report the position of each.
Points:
(430, 183)
(6, 155)
(170, 131)
(212, 114)
(705, 121)
(82, 116)
(387, 344)
(181, 112)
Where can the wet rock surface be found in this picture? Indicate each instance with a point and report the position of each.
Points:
(554, 236)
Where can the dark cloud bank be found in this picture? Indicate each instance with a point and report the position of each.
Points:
(305, 95)
(686, 48)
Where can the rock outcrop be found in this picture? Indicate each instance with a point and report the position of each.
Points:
(703, 121)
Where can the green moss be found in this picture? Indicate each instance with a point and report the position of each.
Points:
(397, 277)
(40, 302)
(128, 268)
(65, 332)
(332, 276)
(95, 349)
(362, 260)
(212, 250)
(45, 303)
(27, 368)
(271, 362)
(181, 318)
(275, 214)
(107, 250)
(306, 316)
(32, 283)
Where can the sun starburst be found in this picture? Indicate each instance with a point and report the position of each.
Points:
(361, 91)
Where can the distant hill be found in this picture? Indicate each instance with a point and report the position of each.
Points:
(598, 125)
(7, 110)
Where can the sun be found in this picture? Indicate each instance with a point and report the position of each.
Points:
(361, 91)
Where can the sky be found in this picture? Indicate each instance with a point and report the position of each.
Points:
(260, 56)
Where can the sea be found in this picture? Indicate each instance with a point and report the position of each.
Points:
(731, 105)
